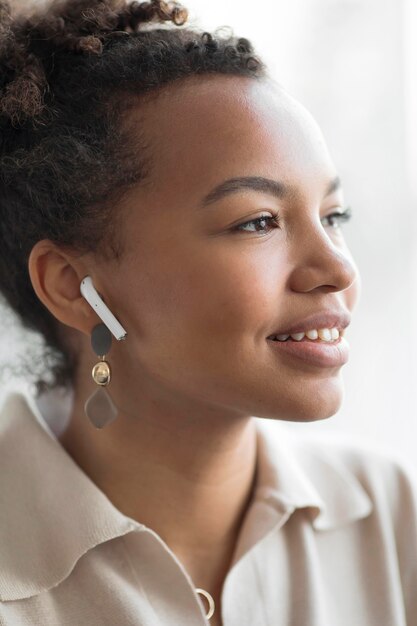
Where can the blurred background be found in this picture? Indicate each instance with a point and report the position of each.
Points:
(353, 64)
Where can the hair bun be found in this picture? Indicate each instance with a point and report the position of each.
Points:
(6, 35)
(22, 81)
(23, 97)
(79, 26)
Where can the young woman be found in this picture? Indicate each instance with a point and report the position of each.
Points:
(172, 226)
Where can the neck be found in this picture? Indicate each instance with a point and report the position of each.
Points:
(190, 480)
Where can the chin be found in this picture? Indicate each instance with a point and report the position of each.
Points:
(321, 408)
(311, 406)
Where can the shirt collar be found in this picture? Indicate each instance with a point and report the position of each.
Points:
(42, 533)
(298, 471)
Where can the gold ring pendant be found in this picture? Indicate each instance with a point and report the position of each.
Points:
(209, 600)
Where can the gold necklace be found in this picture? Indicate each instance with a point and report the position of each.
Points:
(210, 602)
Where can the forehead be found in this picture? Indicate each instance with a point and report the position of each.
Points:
(204, 129)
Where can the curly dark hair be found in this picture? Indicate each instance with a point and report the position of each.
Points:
(68, 72)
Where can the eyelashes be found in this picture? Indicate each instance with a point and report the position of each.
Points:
(340, 218)
(269, 219)
(334, 220)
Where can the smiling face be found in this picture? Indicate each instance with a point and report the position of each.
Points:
(200, 287)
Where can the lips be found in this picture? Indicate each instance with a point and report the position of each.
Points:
(327, 318)
(316, 353)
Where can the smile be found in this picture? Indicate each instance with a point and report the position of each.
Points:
(320, 352)
(322, 334)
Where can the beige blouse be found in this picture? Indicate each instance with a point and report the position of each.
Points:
(330, 539)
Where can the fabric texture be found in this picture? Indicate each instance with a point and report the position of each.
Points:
(329, 539)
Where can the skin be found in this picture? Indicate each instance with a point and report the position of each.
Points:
(198, 301)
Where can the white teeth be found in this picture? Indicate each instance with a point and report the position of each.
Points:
(325, 334)
(335, 333)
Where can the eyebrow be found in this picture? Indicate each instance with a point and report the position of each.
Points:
(261, 184)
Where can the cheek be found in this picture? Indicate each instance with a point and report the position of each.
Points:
(198, 323)
(212, 307)
(228, 300)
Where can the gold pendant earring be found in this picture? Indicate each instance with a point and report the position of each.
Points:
(99, 407)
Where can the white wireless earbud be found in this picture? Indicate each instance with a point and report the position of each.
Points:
(95, 301)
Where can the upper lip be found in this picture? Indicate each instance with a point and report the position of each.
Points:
(329, 318)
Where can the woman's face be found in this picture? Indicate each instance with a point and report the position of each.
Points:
(197, 294)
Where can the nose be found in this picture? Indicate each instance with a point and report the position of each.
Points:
(321, 261)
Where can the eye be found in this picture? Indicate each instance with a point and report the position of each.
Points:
(259, 221)
(336, 219)
(273, 221)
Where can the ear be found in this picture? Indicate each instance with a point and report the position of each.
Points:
(56, 278)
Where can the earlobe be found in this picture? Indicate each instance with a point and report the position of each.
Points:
(56, 284)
